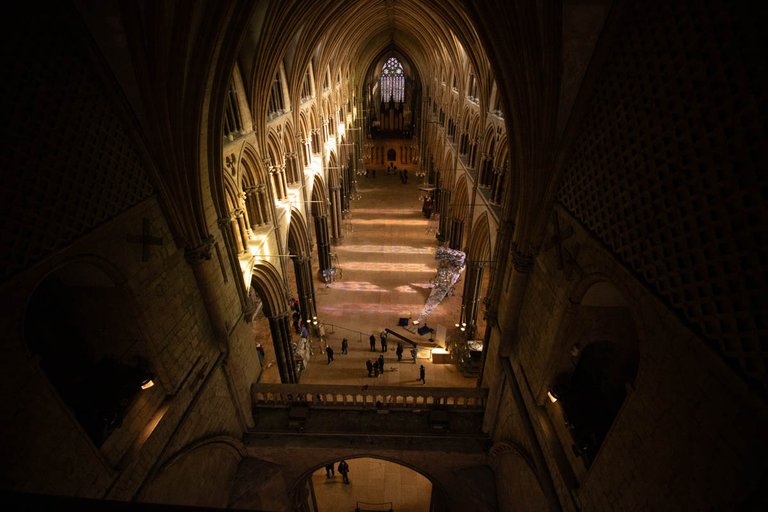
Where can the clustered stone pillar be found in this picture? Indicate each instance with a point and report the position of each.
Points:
(336, 220)
(243, 229)
(473, 280)
(305, 285)
(323, 243)
(279, 325)
(444, 207)
(257, 204)
(457, 230)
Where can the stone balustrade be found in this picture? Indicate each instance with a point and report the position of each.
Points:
(364, 397)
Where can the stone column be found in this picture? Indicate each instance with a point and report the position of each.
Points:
(305, 286)
(208, 276)
(444, 221)
(457, 229)
(323, 243)
(243, 230)
(336, 219)
(473, 280)
(281, 339)
(517, 277)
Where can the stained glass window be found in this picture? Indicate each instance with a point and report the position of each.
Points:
(392, 81)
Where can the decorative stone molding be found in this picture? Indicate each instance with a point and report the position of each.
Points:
(523, 262)
(203, 252)
(500, 448)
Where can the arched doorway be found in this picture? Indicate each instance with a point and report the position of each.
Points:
(374, 484)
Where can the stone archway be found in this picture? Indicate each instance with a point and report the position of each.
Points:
(270, 287)
(85, 331)
(301, 255)
(595, 361)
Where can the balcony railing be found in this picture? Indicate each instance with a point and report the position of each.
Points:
(369, 397)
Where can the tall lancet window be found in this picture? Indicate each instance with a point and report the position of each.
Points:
(392, 81)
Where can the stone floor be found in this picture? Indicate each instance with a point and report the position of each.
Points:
(374, 484)
(387, 261)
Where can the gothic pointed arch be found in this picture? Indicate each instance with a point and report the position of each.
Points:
(254, 184)
(593, 364)
(476, 278)
(335, 197)
(187, 470)
(86, 332)
(320, 207)
(459, 213)
(269, 285)
(292, 158)
(276, 164)
(301, 254)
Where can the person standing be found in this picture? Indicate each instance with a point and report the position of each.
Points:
(329, 352)
(369, 367)
(329, 471)
(381, 364)
(421, 374)
(344, 345)
(260, 351)
(383, 337)
(399, 351)
(344, 470)
(372, 339)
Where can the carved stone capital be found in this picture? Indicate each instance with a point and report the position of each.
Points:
(203, 252)
(523, 262)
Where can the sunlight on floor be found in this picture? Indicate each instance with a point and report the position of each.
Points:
(388, 222)
(388, 267)
(389, 249)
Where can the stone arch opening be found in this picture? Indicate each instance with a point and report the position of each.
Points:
(371, 476)
(269, 286)
(84, 330)
(596, 362)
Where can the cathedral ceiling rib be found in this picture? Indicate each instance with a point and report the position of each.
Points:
(357, 32)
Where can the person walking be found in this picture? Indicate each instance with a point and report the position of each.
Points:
(381, 364)
(344, 345)
(399, 351)
(329, 471)
(344, 470)
(372, 339)
(421, 374)
(329, 352)
(383, 337)
(369, 367)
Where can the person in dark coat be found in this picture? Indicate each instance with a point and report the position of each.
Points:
(421, 374)
(344, 470)
(369, 367)
(381, 364)
(329, 471)
(329, 351)
(372, 339)
(399, 350)
(344, 345)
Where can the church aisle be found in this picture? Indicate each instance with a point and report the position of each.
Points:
(387, 260)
